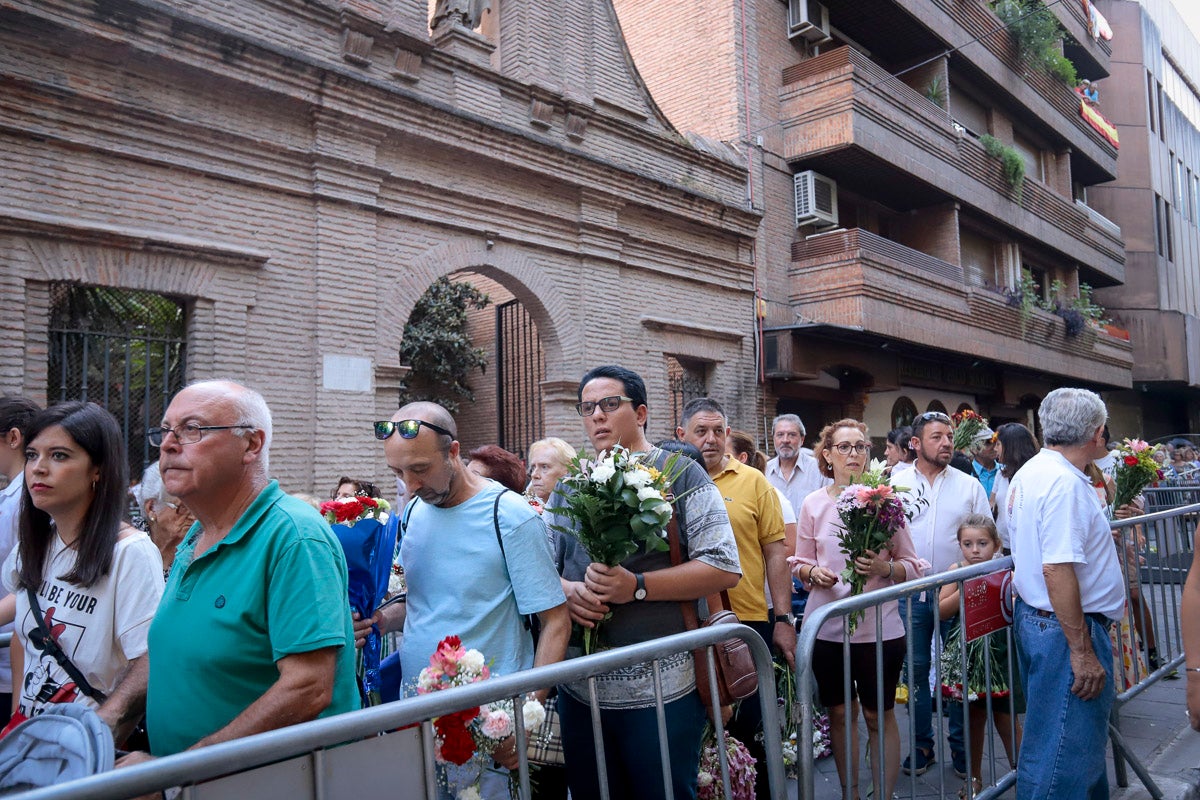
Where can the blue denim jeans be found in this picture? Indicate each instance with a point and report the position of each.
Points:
(1062, 756)
(920, 702)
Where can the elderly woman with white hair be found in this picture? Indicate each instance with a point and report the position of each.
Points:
(167, 518)
(548, 463)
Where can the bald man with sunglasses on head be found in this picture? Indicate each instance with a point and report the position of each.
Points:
(476, 557)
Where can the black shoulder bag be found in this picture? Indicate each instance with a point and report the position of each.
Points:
(43, 638)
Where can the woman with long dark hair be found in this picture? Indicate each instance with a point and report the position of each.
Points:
(86, 584)
(1015, 444)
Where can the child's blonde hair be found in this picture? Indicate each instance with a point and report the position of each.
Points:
(983, 522)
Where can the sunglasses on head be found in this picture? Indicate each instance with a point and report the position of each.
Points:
(407, 428)
(934, 415)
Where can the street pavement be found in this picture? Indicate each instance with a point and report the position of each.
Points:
(1154, 725)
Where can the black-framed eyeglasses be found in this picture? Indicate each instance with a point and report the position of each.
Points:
(938, 416)
(189, 433)
(605, 404)
(407, 428)
(844, 448)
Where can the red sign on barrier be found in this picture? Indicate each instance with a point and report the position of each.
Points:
(988, 604)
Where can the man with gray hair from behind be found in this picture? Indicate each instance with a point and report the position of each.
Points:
(254, 630)
(1070, 591)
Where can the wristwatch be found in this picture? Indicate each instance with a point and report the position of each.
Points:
(788, 618)
(640, 592)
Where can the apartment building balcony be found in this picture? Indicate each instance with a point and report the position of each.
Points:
(845, 117)
(883, 293)
(1091, 56)
(901, 31)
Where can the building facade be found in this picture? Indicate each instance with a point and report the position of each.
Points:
(899, 269)
(1154, 100)
(285, 180)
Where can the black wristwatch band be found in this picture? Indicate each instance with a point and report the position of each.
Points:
(782, 618)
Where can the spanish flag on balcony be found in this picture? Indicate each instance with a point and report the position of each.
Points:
(1097, 121)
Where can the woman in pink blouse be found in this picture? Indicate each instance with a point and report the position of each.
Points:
(843, 453)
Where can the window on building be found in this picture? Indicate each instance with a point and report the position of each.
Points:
(1176, 182)
(686, 380)
(1158, 225)
(1162, 125)
(125, 350)
(1150, 101)
(968, 112)
(1039, 279)
(978, 254)
(1181, 196)
(1031, 154)
(1167, 232)
(1195, 182)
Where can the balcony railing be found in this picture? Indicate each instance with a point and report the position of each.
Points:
(845, 82)
(859, 279)
(825, 245)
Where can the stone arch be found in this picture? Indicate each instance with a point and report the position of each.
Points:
(503, 263)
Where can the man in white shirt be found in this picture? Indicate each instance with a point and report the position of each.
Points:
(941, 497)
(1070, 589)
(15, 413)
(794, 469)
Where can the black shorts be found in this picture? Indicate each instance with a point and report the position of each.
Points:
(829, 669)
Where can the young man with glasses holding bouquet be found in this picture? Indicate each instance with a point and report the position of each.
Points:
(638, 600)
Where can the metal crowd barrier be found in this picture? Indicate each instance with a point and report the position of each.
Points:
(806, 685)
(1172, 493)
(1155, 552)
(362, 754)
(1164, 540)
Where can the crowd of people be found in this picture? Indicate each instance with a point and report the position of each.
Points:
(196, 625)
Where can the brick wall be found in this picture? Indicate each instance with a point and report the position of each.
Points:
(301, 194)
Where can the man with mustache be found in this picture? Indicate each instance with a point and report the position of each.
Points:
(794, 469)
(940, 497)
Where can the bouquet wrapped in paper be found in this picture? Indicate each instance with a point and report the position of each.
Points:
(1135, 469)
(618, 502)
(360, 524)
(986, 668)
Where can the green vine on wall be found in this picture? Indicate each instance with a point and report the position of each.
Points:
(1010, 160)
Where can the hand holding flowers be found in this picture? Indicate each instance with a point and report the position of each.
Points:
(618, 504)
(871, 512)
(1135, 470)
(477, 732)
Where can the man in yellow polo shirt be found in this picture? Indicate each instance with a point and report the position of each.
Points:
(757, 519)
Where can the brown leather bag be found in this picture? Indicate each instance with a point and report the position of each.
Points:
(737, 678)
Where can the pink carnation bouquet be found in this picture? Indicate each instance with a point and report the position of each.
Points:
(472, 734)
(1135, 470)
(742, 771)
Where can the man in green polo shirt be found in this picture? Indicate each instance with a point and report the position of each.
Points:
(254, 631)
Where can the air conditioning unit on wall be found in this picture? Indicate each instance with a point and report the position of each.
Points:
(816, 199)
(808, 20)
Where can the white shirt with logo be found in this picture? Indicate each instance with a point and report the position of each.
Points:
(101, 628)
